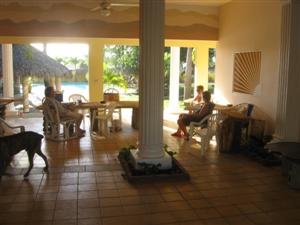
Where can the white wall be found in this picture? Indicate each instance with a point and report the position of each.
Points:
(247, 26)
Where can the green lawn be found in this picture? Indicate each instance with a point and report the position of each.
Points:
(134, 97)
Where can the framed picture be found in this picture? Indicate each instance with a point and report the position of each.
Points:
(246, 72)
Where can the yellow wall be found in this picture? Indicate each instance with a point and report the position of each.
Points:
(244, 27)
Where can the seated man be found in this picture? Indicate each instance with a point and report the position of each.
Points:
(185, 119)
(64, 112)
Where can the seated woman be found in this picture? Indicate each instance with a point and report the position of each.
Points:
(196, 102)
(185, 119)
(198, 98)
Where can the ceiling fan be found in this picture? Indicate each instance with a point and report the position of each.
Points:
(105, 7)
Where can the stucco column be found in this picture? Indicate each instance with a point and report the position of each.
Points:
(201, 77)
(288, 107)
(150, 149)
(174, 77)
(96, 54)
(8, 73)
(58, 84)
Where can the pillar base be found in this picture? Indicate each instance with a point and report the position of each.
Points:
(165, 161)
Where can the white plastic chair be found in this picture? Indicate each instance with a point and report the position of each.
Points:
(205, 129)
(6, 129)
(103, 117)
(53, 123)
(78, 98)
(113, 95)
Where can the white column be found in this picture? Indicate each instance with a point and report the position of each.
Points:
(174, 77)
(150, 149)
(8, 73)
(288, 107)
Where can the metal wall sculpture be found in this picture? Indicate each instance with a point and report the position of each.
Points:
(246, 72)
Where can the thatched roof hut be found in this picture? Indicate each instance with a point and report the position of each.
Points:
(29, 61)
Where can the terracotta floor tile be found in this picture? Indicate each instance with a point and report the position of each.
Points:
(227, 211)
(112, 211)
(195, 222)
(108, 202)
(68, 188)
(207, 213)
(134, 209)
(66, 205)
(42, 215)
(192, 195)
(65, 222)
(178, 205)
(67, 196)
(66, 214)
(172, 197)
(238, 220)
(131, 200)
(157, 207)
(108, 193)
(46, 196)
(88, 203)
(84, 213)
(44, 205)
(87, 187)
(160, 218)
(87, 194)
(184, 215)
(200, 203)
(152, 198)
(93, 221)
(219, 221)
(20, 207)
(248, 208)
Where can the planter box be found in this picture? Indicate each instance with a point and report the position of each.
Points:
(176, 173)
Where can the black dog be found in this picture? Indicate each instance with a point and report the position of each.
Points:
(13, 144)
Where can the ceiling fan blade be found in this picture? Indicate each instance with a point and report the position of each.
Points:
(96, 8)
(125, 4)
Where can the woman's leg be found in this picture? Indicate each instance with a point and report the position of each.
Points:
(178, 133)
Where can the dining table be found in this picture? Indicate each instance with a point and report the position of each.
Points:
(92, 106)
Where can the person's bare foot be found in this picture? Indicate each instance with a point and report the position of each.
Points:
(176, 134)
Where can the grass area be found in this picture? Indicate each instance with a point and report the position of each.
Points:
(134, 97)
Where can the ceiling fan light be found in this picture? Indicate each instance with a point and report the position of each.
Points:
(105, 12)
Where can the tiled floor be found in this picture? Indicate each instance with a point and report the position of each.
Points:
(85, 187)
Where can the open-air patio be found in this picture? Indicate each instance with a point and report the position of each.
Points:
(256, 53)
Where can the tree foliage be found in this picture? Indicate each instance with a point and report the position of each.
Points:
(123, 60)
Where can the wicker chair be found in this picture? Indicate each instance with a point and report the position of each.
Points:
(78, 98)
(55, 127)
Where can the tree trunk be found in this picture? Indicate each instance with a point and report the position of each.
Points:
(17, 82)
(188, 74)
(25, 86)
